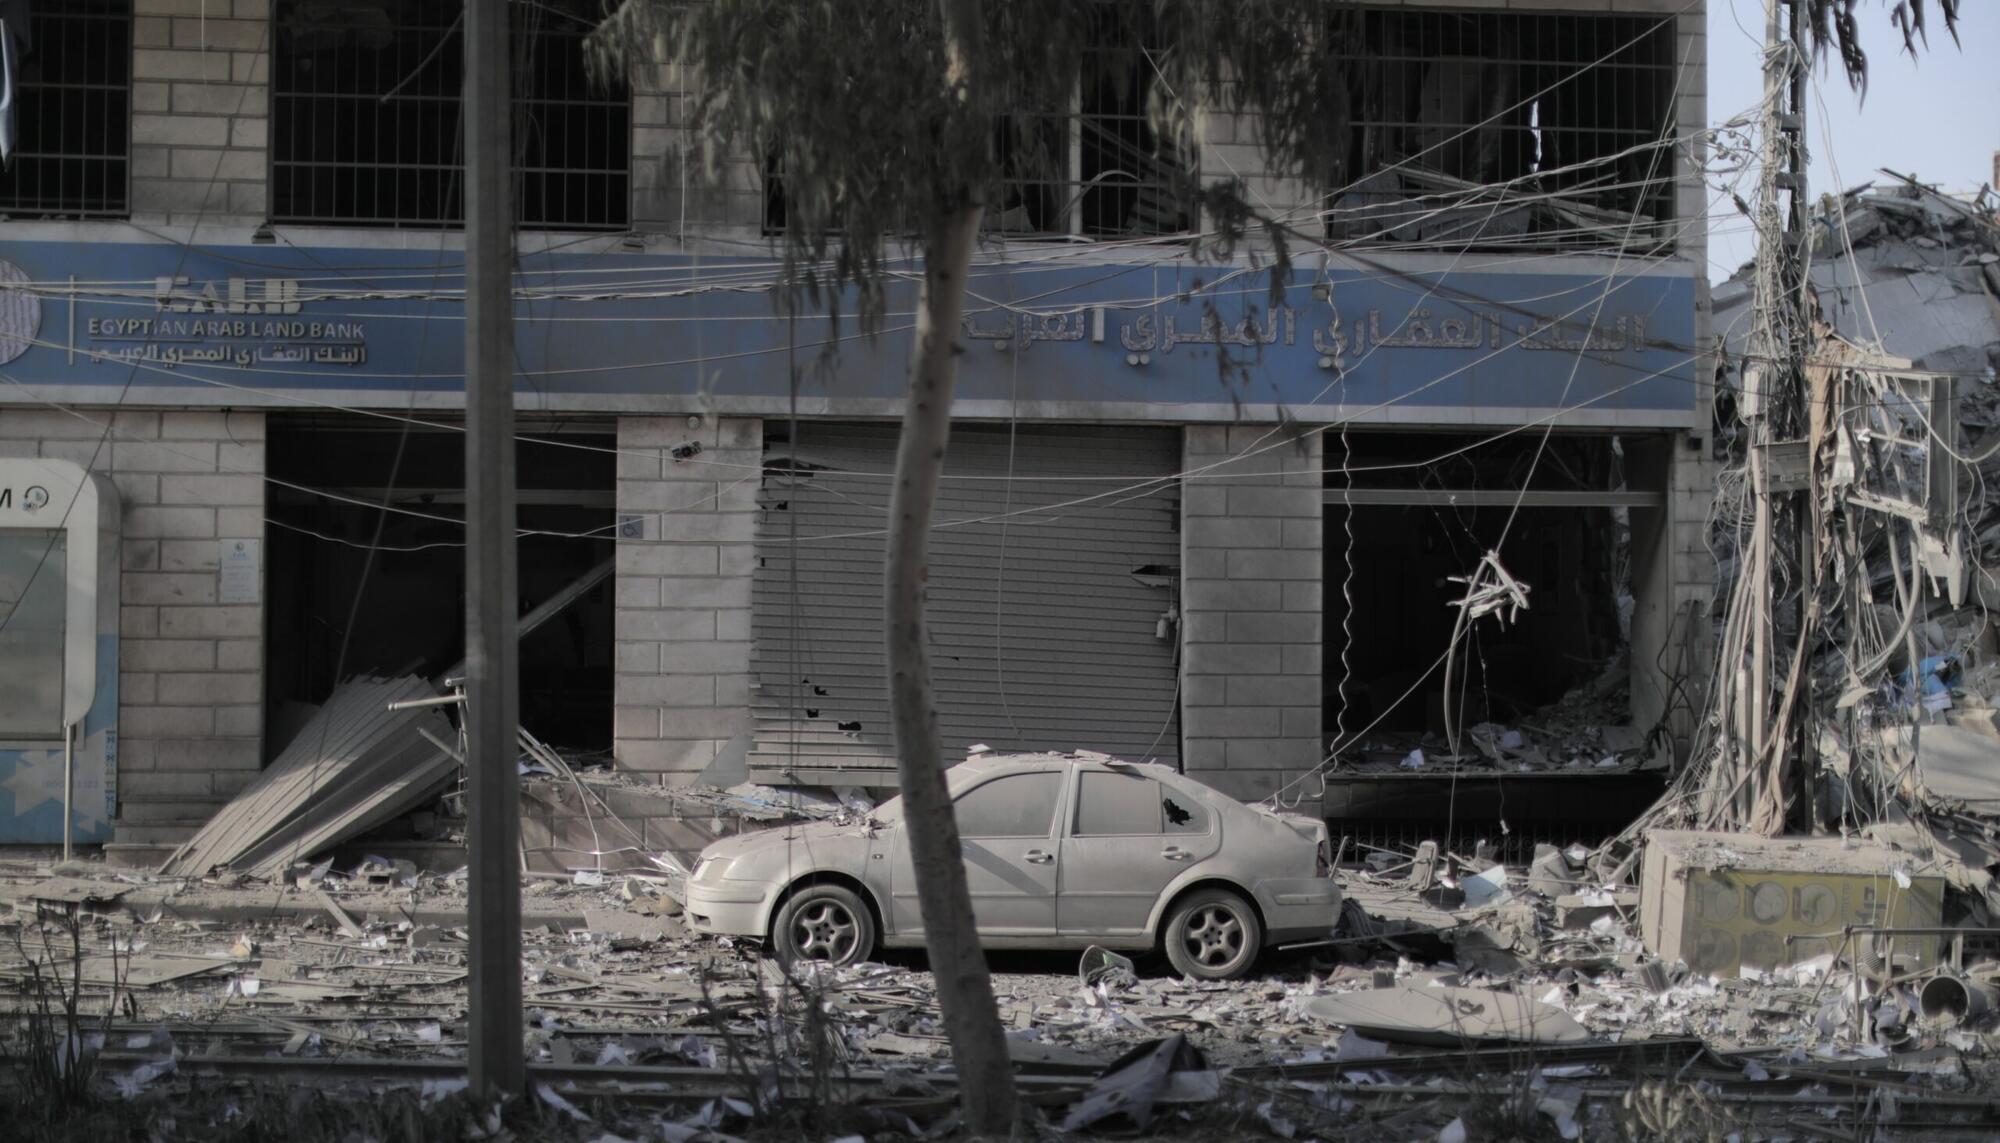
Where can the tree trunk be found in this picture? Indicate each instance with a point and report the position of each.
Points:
(964, 987)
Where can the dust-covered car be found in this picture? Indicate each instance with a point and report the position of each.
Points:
(1061, 851)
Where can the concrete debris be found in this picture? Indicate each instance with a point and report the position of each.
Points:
(361, 973)
(1447, 1016)
(1170, 1070)
(1585, 730)
(1553, 873)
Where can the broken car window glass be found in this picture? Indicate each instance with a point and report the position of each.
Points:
(1112, 803)
(1182, 813)
(1018, 805)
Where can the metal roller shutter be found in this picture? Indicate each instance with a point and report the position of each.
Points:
(1044, 612)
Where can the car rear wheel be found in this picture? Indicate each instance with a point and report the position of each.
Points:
(1213, 935)
(824, 923)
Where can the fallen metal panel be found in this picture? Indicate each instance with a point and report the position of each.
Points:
(340, 744)
(364, 803)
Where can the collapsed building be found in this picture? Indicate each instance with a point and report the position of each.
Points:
(1183, 518)
(1903, 680)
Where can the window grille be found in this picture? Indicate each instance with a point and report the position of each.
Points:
(1096, 168)
(1505, 129)
(1100, 169)
(366, 126)
(73, 124)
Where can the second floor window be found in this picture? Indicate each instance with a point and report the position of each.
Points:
(366, 124)
(71, 80)
(1505, 129)
(1101, 168)
(1094, 168)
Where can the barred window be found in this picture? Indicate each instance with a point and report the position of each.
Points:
(73, 124)
(1097, 168)
(367, 128)
(1505, 129)
(1101, 169)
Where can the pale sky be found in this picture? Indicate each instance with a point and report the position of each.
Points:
(1936, 117)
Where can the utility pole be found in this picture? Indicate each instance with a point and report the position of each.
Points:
(492, 652)
(1774, 408)
(1792, 277)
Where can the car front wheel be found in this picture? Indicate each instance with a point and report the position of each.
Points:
(1213, 935)
(824, 923)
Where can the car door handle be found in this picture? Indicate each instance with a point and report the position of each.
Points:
(1039, 856)
(1175, 853)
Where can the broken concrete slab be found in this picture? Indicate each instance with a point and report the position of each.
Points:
(1447, 1016)
(1959, 765)
(1550, 873)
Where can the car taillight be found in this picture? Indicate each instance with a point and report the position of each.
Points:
(1323, 860)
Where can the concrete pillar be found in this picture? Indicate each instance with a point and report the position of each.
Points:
(1252, 593)
(686, 549)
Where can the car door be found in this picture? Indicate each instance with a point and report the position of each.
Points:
(1007, 829)
(1128, 837)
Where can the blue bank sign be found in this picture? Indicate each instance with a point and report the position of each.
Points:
(1044, 338)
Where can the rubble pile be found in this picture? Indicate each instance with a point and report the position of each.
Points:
(1585, 730)
(1458, 993)
(1903, 677)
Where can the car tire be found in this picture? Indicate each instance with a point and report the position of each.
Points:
(1213, 934)
(824, 923)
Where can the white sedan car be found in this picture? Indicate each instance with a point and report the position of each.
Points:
(1061, 851)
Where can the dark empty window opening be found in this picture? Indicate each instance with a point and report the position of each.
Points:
(410, 618)
(1390, 592)
(1505, 129)
(367, 128)
(72, 123)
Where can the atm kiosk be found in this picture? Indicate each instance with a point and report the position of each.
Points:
(58, 653)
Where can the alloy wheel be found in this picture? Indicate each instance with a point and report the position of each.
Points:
(1214, 936)
(824, 930)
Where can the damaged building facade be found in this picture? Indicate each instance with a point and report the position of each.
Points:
(1184, 519)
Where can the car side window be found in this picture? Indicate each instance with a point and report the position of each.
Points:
(1018, 805)
(1182, 813)
(1110, 803)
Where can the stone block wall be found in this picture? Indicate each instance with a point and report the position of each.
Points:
(200, 109)
(191, 668)
(686, 549)
(1252, 595)
(672, 191)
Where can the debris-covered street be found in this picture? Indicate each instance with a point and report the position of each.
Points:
(1458, 1001)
